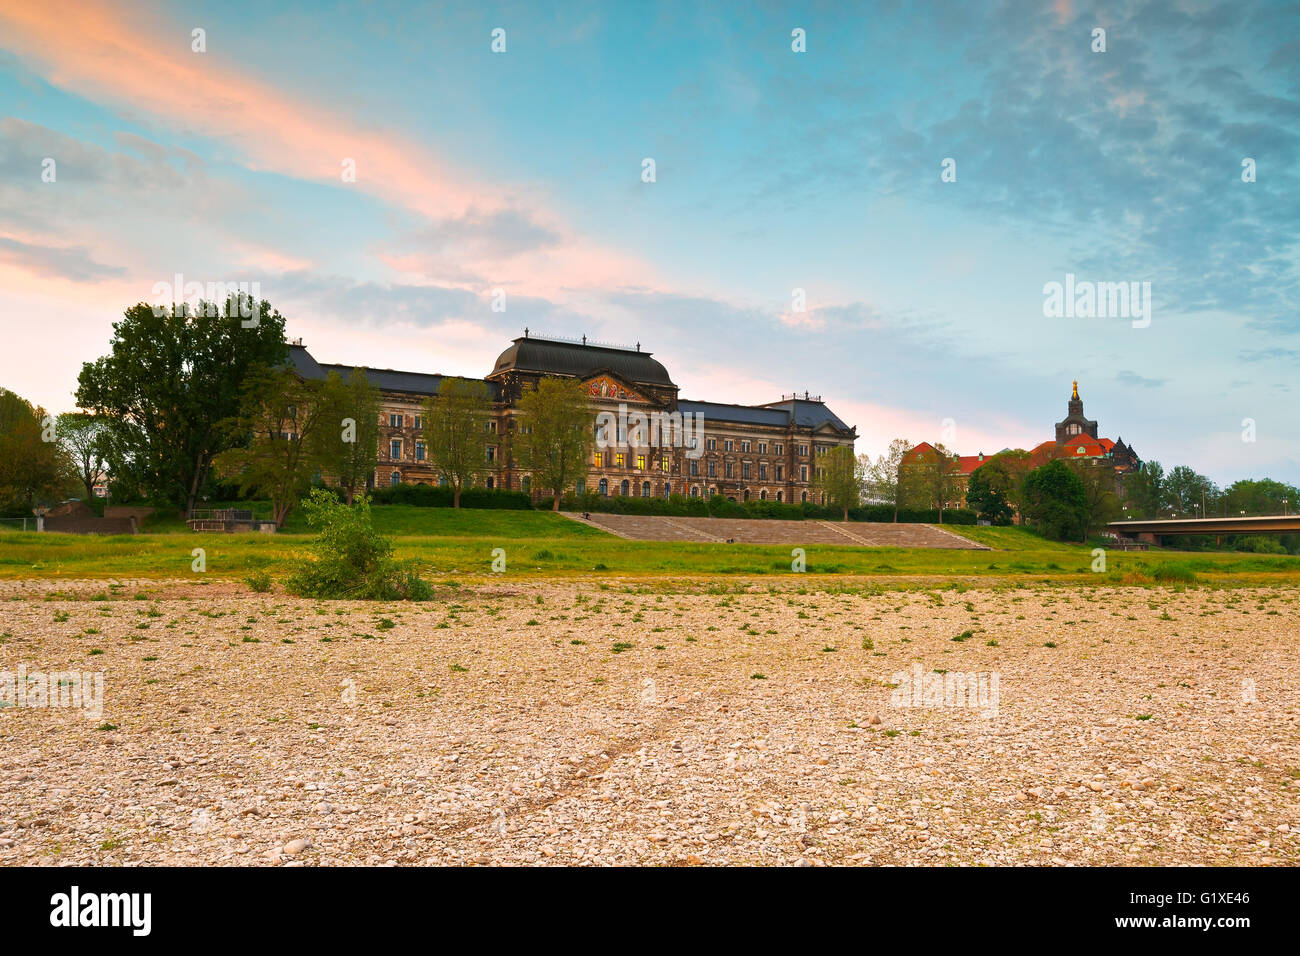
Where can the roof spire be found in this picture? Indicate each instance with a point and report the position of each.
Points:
(1075, 396)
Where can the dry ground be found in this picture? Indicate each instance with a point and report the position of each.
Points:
(593, 722)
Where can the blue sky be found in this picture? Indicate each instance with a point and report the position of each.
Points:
(776, 171)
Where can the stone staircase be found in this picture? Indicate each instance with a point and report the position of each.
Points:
(864, 534)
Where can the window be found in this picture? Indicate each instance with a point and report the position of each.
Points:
(620, 460)
(526, 485)
(490, 484)
(640, 464)
(604, 487)
(744, 446)
(805, 496)
(394, 420)
(762, 448)
(762, 471)
(744, 469)
(645, 489)
(779, 495)
(713, 468)
(395, 478)
(491, 453)
(711, 444)
(727, 468)
(663, 464)
(491, 426)
(668, 489)
(728, 445)
(762, 495)
(395, 449)
(599, 459)
(419, 451)
(695, 491)
(803, 476)
(419, 422)
(624, 488)
(779, 470)
(803, 451)
(695, 467)
(780, 449)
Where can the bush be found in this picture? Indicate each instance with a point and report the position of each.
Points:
(1177, 571)
(352, 560)
(436, 496)
(259, 581)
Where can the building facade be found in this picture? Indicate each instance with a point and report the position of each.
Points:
(697, 448)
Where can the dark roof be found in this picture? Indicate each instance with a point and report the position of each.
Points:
(744, 414)
(569, 358)
(809, 414)
(414, 383)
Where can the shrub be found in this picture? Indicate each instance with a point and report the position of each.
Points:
(1177, 571)
(352, 560)
(436, 496)
(259, 581)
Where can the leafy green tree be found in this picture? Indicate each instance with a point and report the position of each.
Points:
(1100, 503)
(455, 432)
(556, 435)
(931, 478)
(83, 438)
(34, 468)
(1055, 500)
(984, 493)
(172, 379)
(1187, 492)
(839, 479)
(882, 478)
(1145, 489)
(355, 406)
(283, 423)
(1004, 475)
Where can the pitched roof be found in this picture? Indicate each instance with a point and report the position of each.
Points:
(743, 414)
(810, 414)
(580, 361)
(412, 383)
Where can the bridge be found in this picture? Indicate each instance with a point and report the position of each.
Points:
(1146, 529)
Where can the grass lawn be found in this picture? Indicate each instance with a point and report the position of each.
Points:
(449, 543)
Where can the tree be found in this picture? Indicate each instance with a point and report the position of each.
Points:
(1100, 503)
(1004, 476)
(355, 406)
(83, 440)
(555, 438)
(1187, 492)
(838, 479)
(931, 477)
(985, 494)
(881, 477)
(455, 432)
(1145, 489)
(1054, 498)
(34, 469)
(283, 420)
(172, 379)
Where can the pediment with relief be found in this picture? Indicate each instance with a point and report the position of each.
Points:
(608, 387)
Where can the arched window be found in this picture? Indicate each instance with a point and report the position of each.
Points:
(526, 484)
(645, 489)
(695, 491)
(780, 495)
(624, 488)
(762, 495)
(604, 487)
(805, 496)
(395, 479)
(490, 483)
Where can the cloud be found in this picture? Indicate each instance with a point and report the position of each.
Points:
(1134, 379)
(56, 262)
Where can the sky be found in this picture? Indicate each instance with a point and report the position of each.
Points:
(874, 218)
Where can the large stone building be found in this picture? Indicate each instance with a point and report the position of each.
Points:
(743, 452)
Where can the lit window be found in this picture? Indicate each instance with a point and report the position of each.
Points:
(620, 460)
(599, 459)
(640, 466)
